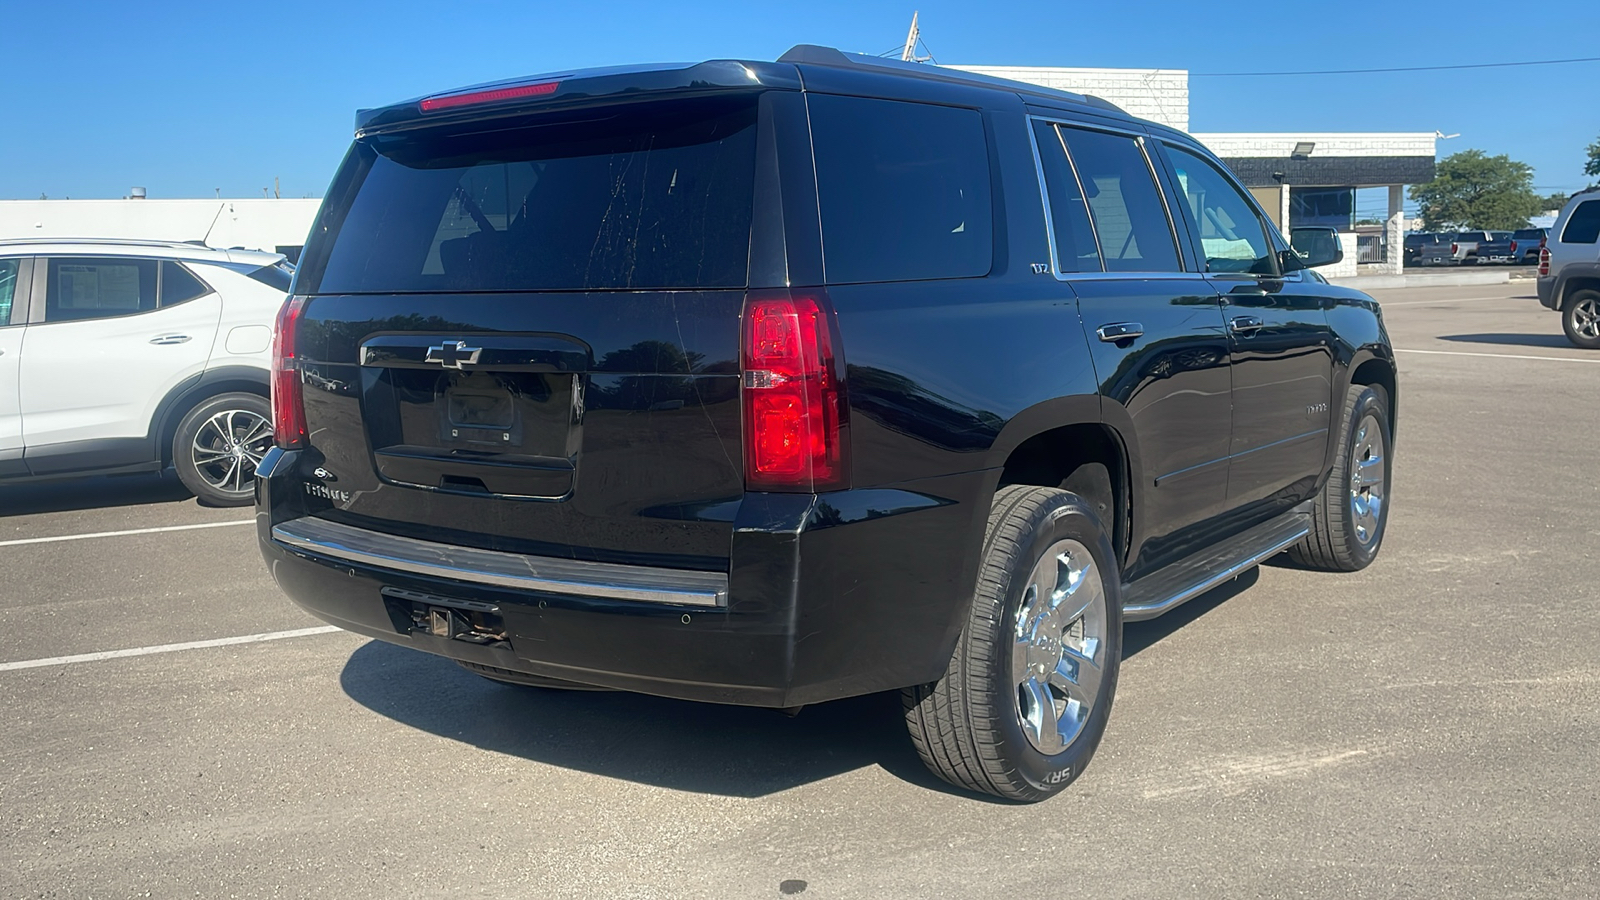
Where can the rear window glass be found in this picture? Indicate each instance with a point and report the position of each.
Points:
(903, 189)
(1129, 216)
(654, 196)
(99, 288)
(1584, 226)
(1528, 234)
(179, 284)
(277, 276)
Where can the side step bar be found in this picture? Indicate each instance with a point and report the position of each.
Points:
(1166, 588)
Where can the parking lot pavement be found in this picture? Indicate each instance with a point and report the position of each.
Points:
(1425, 728)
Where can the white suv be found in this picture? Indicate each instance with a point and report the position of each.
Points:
(126, 356)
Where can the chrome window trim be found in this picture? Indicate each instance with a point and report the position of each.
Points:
(1049, 220)
(1044, 202)
(577, 578)
(1134, 276)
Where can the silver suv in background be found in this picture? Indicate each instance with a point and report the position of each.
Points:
(1569, 270)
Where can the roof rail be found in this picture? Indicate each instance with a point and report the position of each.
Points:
(814, 55)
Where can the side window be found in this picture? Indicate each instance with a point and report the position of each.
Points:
(1076, 250)
(99, 288)
(1124, 202)
(1584, 226)
(8, 288)
(179, 284)
(1232, 236)
(903, 190)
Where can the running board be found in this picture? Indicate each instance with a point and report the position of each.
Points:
(1186, 579)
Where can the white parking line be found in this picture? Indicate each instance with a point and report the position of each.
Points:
(165, 648)
(101, 534)
(1496, 355)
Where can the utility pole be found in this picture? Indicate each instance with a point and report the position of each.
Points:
(276, 194)
(909, 54)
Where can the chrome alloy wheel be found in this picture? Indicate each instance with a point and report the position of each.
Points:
(1058, 657)
(1367, 476)
(1586, 318)
(229, 446)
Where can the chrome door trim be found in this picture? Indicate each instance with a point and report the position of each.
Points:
(578, 578)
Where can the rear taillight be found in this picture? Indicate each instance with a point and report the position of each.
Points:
(795, 416)
(1544, 261)
(1513, 246)
(288, 399)
(1453, 249)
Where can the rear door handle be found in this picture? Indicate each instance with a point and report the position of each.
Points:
(1120, 331)
(1245, 324)
(165, 339)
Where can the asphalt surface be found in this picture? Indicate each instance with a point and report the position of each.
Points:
(1425, 728)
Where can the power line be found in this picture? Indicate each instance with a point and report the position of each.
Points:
(1502, 65)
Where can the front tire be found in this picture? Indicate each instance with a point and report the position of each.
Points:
(1024, 701)
(1580, 319)
(218, 445)
(1352, 511)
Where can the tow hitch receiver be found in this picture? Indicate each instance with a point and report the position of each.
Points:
(445, 617)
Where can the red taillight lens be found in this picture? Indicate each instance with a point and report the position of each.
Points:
(492, 95)
(1544, 261)
(288, 400)
(1453, 248)
(795, 415)
(1513, 247)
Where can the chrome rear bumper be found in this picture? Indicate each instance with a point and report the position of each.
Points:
(610, 581)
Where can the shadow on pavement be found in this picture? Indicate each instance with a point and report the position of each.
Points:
(1137, 636)
(90, 493)
(702, 747)
(1520, 340)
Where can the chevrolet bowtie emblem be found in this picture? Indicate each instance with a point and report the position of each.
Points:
(452, 354)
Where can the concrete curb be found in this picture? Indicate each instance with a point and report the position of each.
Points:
(1441, 279)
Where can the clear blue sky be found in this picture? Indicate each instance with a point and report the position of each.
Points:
(185, 98)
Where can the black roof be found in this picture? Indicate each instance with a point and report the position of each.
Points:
(583, 86)
(811, 54)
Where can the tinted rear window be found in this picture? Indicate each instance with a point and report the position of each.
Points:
(903, 188)
(1528, 234)
(649, 196)
(179, 284)
(277, 276)
(1584, 226)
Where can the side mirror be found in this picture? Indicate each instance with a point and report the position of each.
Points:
(1315, 246)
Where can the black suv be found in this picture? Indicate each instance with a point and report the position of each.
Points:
(774, 383)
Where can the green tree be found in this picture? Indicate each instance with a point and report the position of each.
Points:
(1592, 167)
(1555, 201)
(1472, 190)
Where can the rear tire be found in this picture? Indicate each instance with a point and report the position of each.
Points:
(522, 679)
(1352, 511)
(1024, 701)
(218, 445)
(1580, 319)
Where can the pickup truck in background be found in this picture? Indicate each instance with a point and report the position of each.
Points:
(1464, 249)
(1497, 249)
(1419, 241)
(1516, 248)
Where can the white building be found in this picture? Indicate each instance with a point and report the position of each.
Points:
(1299, 179)
(254, 224)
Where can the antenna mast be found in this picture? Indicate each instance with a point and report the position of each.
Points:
(909, 54)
